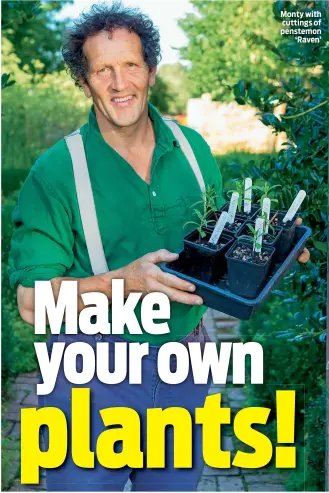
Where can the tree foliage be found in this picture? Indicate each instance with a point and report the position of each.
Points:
(172, 89)
(226, 43)
(36, 36)
(175, 75)
(160, 95)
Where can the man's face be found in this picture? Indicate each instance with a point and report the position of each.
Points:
(118, 77)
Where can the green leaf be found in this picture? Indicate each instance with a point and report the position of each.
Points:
(197, 203)
(190, 222)
(198, 213)
(252, 229)
(240, 101)
(323, 247)
(239, 90)
(5, 82)
(277, 7)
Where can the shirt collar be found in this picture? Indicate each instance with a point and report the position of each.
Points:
(164, 137)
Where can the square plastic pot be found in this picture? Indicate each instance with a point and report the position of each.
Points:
(267, 240)
(246, 278)
(284, 246)
(205, 262)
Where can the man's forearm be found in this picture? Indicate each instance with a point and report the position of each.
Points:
(143, 275)
(102, 283)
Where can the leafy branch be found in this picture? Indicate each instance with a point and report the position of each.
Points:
(305, 112)
(209, 205)
(257, 235)
(240, 189)
(266, 190)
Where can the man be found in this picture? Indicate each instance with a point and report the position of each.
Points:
(143, 188)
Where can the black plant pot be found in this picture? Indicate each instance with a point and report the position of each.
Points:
(206, 262)
(272, 239)
(232, 229)
(247, 217)
(246, 278)
(284, 246)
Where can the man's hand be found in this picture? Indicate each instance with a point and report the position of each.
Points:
(305, 256)
(144, 276)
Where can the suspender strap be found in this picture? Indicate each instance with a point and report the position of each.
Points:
(187, 150)
(86, 203)
(86, 199)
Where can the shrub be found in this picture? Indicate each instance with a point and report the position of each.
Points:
(232, 164)
(299, 367)
(312, 477)
(9, 465)
(284, 364)
(17, 337)
(36, 116)
(8, 341)
(291, 327)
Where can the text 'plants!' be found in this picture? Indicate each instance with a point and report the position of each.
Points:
(123, 425)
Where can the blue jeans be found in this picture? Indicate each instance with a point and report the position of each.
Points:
(151, 393)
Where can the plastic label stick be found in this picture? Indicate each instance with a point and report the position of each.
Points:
(295, 206)
(266, 211)
(247, 195)
(219, 228)
(259, 227)
(233, 207)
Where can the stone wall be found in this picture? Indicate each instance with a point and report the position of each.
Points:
(229, 126)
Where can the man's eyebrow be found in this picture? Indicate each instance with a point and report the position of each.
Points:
(96, 63)
(128, 59)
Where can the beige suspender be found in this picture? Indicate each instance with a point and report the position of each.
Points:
(187, 149)
(86, 203)
(86, 199)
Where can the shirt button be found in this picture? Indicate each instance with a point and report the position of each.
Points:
(98, 337)
(154, 194)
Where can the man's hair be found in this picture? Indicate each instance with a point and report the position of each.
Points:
(106, 17)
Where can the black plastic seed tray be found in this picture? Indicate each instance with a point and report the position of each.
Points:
(219, 297)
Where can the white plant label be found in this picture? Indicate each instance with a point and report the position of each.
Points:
(266, 211)
(247, 195)
(219, 228)
(233, 207)
(295, 206)
(259, 227)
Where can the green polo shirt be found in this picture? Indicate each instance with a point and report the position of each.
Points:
(134, 217)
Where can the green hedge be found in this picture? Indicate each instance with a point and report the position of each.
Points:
(298, 367)
(292, 327)
(17, 337)
(285, 364)
(34, 117)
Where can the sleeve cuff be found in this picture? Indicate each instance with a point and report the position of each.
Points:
(27, 277)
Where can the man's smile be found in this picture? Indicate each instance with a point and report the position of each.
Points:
(122, 102)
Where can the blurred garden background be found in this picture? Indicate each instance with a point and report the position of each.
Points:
(233, 65)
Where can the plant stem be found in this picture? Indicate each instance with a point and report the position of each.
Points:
(318, 150)
(305, 112)
(274, 217)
